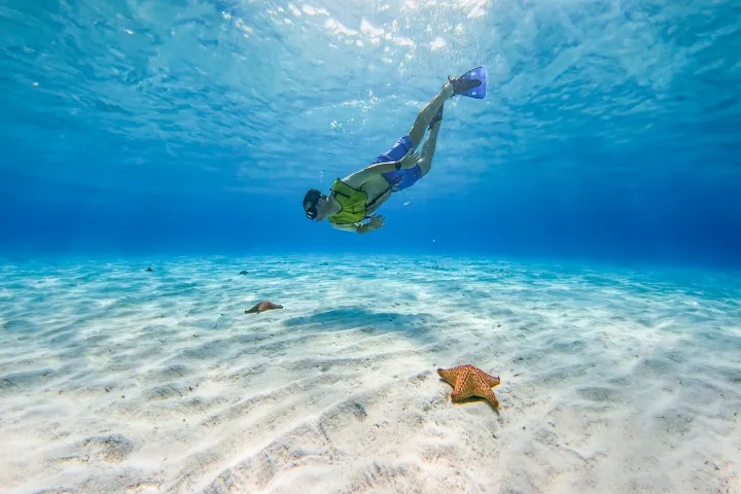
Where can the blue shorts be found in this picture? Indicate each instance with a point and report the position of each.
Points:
(400, 179)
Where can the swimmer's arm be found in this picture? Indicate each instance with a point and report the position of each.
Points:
(357, 179)
(355, 227)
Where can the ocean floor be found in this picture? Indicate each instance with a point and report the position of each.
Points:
(118, 380)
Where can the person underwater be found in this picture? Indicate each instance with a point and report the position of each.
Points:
(357, 197)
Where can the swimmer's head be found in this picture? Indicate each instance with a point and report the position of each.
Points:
(316, 205)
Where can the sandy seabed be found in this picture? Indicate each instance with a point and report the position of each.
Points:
(118, 380)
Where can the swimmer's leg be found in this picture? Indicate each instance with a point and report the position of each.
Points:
(428, 150)
(427, 113)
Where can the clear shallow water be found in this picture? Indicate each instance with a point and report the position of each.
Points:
(117, 379)
(611, 129)
(137, 132)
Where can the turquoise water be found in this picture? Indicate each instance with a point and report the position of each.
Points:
(578, 236)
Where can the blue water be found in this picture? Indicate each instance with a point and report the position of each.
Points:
(610, 132)
(579, 236)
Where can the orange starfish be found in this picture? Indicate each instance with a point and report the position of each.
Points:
(468, 381)
(262, 307)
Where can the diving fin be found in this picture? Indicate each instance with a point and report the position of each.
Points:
(471, 84)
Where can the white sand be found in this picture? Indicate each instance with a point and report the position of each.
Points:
(117, 380)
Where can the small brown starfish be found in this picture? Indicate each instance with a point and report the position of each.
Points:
(468, 381)
(262, 307)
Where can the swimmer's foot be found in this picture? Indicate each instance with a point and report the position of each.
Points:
(463, 86)
(438, 117)
(471, 84)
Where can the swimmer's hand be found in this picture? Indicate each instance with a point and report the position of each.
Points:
(375, 223)
(409, 160)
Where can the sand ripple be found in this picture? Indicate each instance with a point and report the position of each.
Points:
(113, 379)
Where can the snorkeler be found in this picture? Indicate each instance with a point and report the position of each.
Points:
(355, 197)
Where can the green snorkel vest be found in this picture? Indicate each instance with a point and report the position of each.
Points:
(352, 202)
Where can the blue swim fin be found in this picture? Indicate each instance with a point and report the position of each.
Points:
(471, 84)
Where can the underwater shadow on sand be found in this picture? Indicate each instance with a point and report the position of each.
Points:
(418, 326)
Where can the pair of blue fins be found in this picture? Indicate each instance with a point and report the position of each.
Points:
(472, 84)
